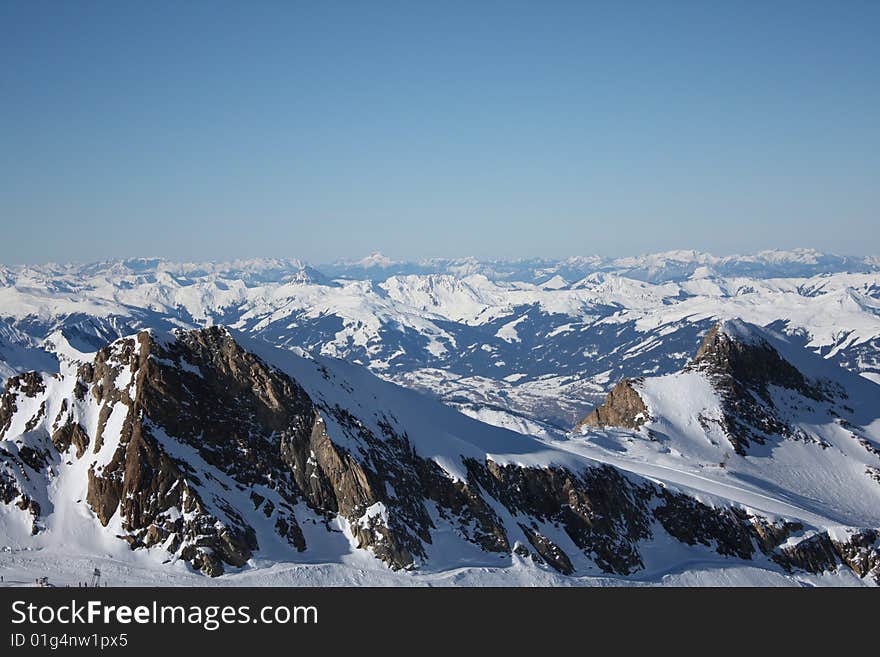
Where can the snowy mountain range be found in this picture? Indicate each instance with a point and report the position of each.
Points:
(678, 417)
(532, 356)
(652, 268)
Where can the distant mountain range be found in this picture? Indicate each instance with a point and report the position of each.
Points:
(652, 268)
(676, 418)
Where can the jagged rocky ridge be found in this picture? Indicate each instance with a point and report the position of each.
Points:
(192, 445)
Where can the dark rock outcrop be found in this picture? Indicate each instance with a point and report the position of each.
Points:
(820, 552)
(750, 361)
(602, 513)
(548, 550)
(231, 409)
(29, 384)
(71, 433)
(814, 554)
(742, 369)
(623, 407)
(861, 553)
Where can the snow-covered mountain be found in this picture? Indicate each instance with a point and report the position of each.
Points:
(111, 428)
(527, 345)
(751, 412)
(163, 454)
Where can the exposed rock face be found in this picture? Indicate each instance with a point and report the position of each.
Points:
(608, 516)
(18, 462)
(743, 368)
(623, 407)
(156, 496)
(548, 550)
(598, 509)
(29, 384)
(729, 531)
(333, 481)
(859, 551)
(257, 427)
(70, 433)
(461, 503)
(750, 361)
(261, 429)
(815, 554)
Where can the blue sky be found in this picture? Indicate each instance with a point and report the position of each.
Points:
(211, 130)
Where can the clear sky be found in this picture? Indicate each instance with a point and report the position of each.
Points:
(213, 130)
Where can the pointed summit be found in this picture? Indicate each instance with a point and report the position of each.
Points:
(733, 348)
(742, 367)
(623, 407)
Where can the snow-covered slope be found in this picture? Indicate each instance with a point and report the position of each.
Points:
(753, 418)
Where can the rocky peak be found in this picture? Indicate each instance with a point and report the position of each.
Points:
(623, 407)
(738, 350)
(743, 366)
